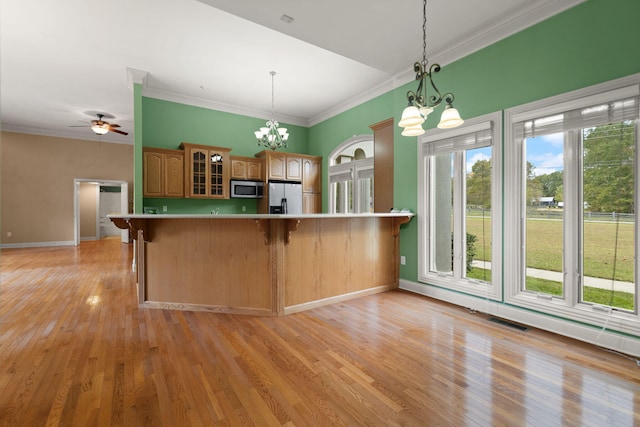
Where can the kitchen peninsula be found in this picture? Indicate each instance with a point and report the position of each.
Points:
(262, 264)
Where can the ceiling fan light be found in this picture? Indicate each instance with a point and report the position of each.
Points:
(411, 117)
(100, 129)
(415, 130)
(450, 118)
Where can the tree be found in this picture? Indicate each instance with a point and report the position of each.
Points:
(479, 184)
(550, 183)
(608, 158)
(559, 196)
(534, 186)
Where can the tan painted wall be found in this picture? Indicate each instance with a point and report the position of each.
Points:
(88, 212)
(36, 182)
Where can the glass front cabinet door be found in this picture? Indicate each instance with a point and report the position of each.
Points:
(208, 172)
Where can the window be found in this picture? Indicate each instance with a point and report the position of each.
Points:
(351, 176)
(571, 249)
(459, 208)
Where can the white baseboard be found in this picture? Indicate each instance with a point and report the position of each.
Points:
(593, 334)
(35, 244)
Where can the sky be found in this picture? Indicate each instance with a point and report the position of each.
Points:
(545, 153)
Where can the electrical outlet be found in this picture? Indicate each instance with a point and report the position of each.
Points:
(8, 234)
(403, 260)
(164, 209)
(244, 209)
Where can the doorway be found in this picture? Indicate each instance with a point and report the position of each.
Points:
(91, 205)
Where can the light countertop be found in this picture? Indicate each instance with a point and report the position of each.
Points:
(260, 216)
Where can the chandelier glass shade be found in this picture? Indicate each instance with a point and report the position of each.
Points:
(272, 136)
(421, 105)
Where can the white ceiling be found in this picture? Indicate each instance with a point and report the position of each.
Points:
(63, 61)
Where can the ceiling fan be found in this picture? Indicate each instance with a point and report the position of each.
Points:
(100, 127)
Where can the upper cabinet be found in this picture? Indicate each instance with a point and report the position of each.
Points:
(294, 168)
(311, 174)
(207, 171)
(281, 166)
(311, 184)
(204, 172)
(383, 165)
(246, 168)
(163, 173)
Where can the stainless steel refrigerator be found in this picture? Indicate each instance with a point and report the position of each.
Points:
(285, 198)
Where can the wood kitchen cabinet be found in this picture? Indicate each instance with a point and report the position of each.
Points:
(311, 203)
(311, 184)
(281, 166)
(207, 171)
(383, 165)
(293, 167)
(246, 168)
(163, 173)
(311, 174)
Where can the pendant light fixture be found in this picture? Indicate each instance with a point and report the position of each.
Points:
(272, 136)
(420, 106)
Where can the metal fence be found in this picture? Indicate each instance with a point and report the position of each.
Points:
(557, 214)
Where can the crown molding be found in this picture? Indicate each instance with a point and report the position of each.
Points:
(474, 40)
(500, 28)
(388, 85)
(136, 76)
(150, 92)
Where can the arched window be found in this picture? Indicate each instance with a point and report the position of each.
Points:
(351, 176)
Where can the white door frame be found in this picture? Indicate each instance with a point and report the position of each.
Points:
(124, 204)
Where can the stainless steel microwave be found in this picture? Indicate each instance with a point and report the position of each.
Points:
(247, 189)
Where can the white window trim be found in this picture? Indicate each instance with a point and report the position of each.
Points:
(515, 215)
(354, 168)
(493, 290)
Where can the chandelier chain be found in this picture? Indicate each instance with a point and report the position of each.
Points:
(273, 97)
(272, 136)
(419, 104)
(424, 33)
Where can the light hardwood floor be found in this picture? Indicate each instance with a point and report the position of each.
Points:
(76, 350)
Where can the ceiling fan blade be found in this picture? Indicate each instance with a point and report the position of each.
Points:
(114, 125)
(119, 131)
(80, 126)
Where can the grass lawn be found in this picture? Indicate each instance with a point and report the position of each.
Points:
(605, 297)
(544, 246)
(544, 251)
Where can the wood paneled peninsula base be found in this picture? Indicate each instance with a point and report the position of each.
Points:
(262, 264)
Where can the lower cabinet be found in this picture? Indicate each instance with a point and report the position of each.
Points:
(311, 203)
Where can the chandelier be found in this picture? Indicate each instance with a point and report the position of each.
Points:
(272, 136)
(420, 106)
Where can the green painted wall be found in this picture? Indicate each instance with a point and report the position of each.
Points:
(167, 124)
(137, 147)
(588, 44)
(591, 43)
